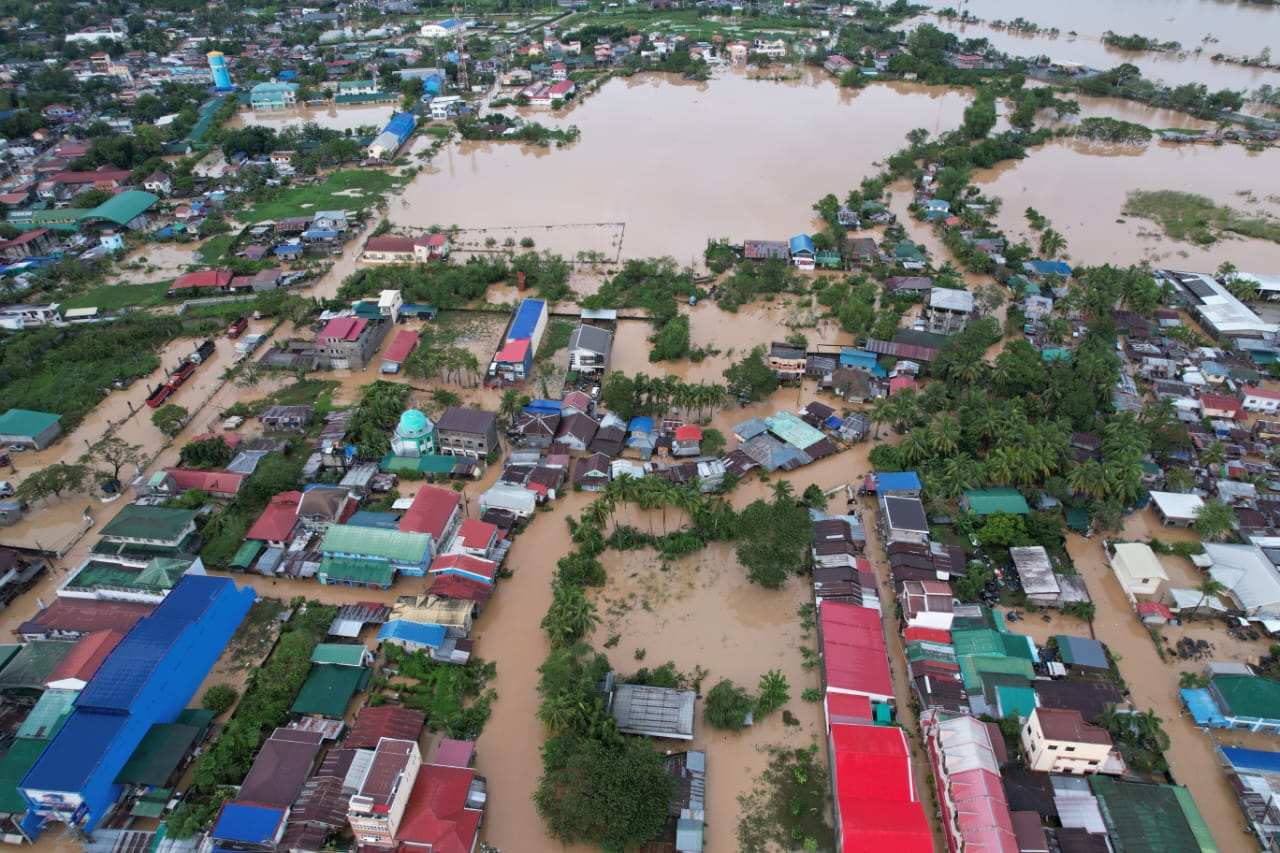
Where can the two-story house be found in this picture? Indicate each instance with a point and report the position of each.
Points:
(1058, 740)
(434, 511)
(589, 349)
(376, 808)
(948, 311)
(786, 360)
(467, 432)
(371, 556)
(139, 534)
(348, 343)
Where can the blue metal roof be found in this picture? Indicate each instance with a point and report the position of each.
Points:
(857, 358)
(640, 423)
(801, 243)
(73, 755)
(1202, 707)
(544, 406)
(1050, 267)
(906, 481)
(248, 823)
(1252, 759)
(367, 518)
(412, 632)
(527, 317)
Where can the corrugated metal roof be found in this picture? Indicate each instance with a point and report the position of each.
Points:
(376, 542)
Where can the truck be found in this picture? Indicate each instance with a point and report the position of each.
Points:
(159, 394)
(182, 374)
(237, 327)
(203, 353)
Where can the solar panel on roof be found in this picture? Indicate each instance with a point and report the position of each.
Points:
(1199, 287)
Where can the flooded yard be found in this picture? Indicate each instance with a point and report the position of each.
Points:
(330, 116)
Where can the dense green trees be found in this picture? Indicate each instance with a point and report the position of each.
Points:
(774, 537)
(170, 419)
(727, 706)
(670, 340)
(207, 453)
(219, 698)
(751, 377)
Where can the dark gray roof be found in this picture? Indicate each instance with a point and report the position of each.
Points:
(457, 419)
(591, 338)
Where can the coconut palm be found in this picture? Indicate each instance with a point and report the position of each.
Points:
(945, 435)
(1215, 521)
(1178, 480)
(1123, 477)
(1208, 588)
(687, 499)
(1052, 243)
(956, 474)
(881, 412)
(510, 405)
(1214, 454)
(571, 616)
(1088, 479)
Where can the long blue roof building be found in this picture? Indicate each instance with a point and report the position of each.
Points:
(150, 677)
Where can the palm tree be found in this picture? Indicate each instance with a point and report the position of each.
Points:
(1215, 521)
(1052, 243)
(557, 711)
(687, 499)
(944, 436)
(783, 492)
(510, 406)
(914, 449)
(571, 616)
(957, 474)
(881, 412)
(1088, 479)
(905, 410)
(1208, 588)
(1214, 454)
(1179, 480)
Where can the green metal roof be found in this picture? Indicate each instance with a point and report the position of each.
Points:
(1245, 695)
(339, 654)
(977, 641)
(1141, 817)
(26, 422)
(7, 653)
(48, 715)
(159, 754)
(1016, 700)
(973, 668)
(349, 571)
(792, 430)
(15, 765)
(996, 499)
(328, 690)
(32, 666)
(377, 543)
(246, 554)
(1077, 519)
(429, 463)
(149, 522)
(124, 207)
(159, 575)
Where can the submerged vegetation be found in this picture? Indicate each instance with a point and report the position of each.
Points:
(1187, 216)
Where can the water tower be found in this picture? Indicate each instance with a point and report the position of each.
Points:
(221, 75)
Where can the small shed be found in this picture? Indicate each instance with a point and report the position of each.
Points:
(1082, 653)
(30, 429)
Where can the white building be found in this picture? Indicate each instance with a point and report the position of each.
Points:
(1058, 740)
(1250, 577)
(1257, 399)
(1138, 570)
(1176, 509)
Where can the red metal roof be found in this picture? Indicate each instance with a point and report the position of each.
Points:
(403, 344)
(514, 351)
(202, 278)
(901, 383)
(1249, 390)
(932, 635)
(465, 563)
(430, 512)
(844, 709)
(83, 616)
(853, 650)
(27, 237)
(436, 816)
(1149, 608)
(374, 724)
(1222, 401)
(277, 520)
(86, 657)
(454, 753)
(401, 245)
(474, 533)
(688, 433)
(876, 797)
(460, 587)
(343, 328)
(213, 482)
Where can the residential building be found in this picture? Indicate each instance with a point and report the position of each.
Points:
(927, 604)
(995, 499)
(1035, 572)
(1176, 509)
(904, 519)
(1250, 578)
(29, 244)
(434, 511)
(1060, 741)
(1246, 702)
(1145, 816)
(349, 342)
(1138, 570)
(376, 810)
(786, 360)
(516, 500)
(279, 522)
(661, 712)
(273, 96)
(140, 533)
(1259, 399)
(975, 809)
(854, 660)
(877, 804)
(403, 250)
(589, 350)
(371, 556)
(26, 316)
(394, 135)
(446, 804)
(29, 429)
(948, 311)
(467, 432)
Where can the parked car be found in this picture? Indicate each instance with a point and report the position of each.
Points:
(17, 448)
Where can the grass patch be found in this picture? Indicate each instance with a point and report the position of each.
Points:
(339, 191)
(439, 131)
(113, 297)
(304, 392)
(1187, 216)
(215, 249)
(789, 808)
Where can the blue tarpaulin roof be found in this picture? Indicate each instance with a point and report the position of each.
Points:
(1049, 267)
(1202, 707)
(248, 823)
(543, 406)
(640, 424)
(412, 632)
(833, 422)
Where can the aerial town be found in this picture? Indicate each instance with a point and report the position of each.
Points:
(639, 426)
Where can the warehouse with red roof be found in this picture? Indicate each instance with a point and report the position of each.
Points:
(854, 660)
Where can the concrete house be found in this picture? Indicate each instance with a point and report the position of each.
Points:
(29, 429)
(375, 811)
(1258, 399)
(349, 342)
(948, 311)
(467, 432)
(589, 349)
(273, 96)
(786, 360)
(1060, 741)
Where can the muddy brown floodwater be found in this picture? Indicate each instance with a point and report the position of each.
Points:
(332, 117)
(1235, 27)
(678, 162)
